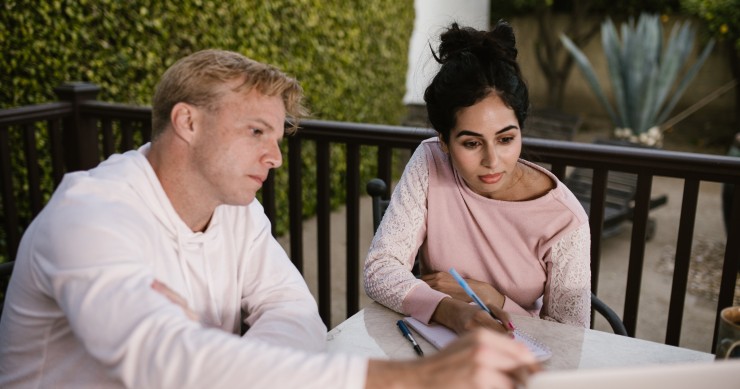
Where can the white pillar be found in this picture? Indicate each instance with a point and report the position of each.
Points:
(432, 17)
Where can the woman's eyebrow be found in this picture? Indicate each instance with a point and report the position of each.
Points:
(466, 132)
(471, 133)
(507, 128)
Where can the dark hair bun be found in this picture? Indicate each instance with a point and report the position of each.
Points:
(474, 65)
(495, 45)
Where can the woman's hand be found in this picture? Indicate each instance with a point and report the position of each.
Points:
(445, 283)
(463, 317)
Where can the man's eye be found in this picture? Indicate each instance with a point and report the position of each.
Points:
(257, 131)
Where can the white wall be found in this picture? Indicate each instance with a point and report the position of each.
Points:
(432, 16)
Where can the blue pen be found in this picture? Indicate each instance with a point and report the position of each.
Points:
(407, 334)
(474, 296)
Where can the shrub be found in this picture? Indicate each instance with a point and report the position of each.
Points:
(349, 56)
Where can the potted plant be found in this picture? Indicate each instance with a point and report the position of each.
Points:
(647, 80)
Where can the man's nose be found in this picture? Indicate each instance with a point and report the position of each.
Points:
(273, 156)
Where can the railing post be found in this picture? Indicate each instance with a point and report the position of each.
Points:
(80, 133)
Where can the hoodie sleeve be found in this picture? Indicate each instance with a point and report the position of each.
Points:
(93, 270)
(280, 308)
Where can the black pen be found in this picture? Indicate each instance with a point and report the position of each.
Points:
(407, 334)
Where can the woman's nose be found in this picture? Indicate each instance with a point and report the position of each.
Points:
(489, 156)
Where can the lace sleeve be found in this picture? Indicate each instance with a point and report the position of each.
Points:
(387, 275)
(568, 293)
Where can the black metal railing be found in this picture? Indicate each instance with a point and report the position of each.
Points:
(79, 131)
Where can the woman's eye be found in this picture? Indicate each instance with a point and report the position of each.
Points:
(470, 144)
(506, 139)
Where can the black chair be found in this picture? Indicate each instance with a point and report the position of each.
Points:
(611, 317)
(6, 269)
(377, 188)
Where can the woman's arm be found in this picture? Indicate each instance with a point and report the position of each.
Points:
(387, 274)
(568, 289)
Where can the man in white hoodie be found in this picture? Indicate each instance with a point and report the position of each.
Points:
(140, 272)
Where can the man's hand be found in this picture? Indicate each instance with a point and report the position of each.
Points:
(175, 298)
(480, 359)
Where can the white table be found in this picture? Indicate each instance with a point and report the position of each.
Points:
(372, 332)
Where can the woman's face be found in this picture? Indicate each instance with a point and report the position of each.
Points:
(484, 147)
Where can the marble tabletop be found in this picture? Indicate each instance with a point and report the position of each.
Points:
(372, 332)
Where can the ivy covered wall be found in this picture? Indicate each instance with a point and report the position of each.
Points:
(350, 56)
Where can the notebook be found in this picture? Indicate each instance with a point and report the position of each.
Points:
(439, 336)
(707, 375)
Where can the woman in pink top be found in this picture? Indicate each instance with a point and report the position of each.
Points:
(467, 200)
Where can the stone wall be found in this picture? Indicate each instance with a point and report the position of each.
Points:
(717, 116)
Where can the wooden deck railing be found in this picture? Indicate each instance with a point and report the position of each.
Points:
(79, 131)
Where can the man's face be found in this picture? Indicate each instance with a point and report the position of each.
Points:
(237, 145)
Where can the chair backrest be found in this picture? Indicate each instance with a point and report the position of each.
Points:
(377, 188)
(6, 269)
(611, 317)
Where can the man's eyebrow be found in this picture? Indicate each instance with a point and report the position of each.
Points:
(471, 133)
(262, 122)
(269, 127)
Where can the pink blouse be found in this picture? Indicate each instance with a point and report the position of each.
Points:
(536, 252)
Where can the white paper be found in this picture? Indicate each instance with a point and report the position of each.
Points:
(439, 336)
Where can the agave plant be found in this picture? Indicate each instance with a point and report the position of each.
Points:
(646, 80)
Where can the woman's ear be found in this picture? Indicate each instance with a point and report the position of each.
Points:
(183, 121)
(443, 144)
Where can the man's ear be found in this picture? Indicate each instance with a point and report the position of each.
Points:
(183, 119)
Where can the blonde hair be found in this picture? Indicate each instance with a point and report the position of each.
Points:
(197, 80)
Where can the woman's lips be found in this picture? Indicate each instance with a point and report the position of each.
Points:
(491, 178)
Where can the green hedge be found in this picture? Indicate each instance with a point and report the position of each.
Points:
(350, 56)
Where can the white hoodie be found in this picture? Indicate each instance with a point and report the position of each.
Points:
(80, 310)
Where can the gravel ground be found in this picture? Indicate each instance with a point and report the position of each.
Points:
(704, 271)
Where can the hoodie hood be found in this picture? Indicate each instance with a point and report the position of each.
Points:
(191, 247)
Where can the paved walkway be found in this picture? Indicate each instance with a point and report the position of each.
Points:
(698, 322)
(699, 311)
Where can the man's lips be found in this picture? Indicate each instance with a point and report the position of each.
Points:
(259, 179)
